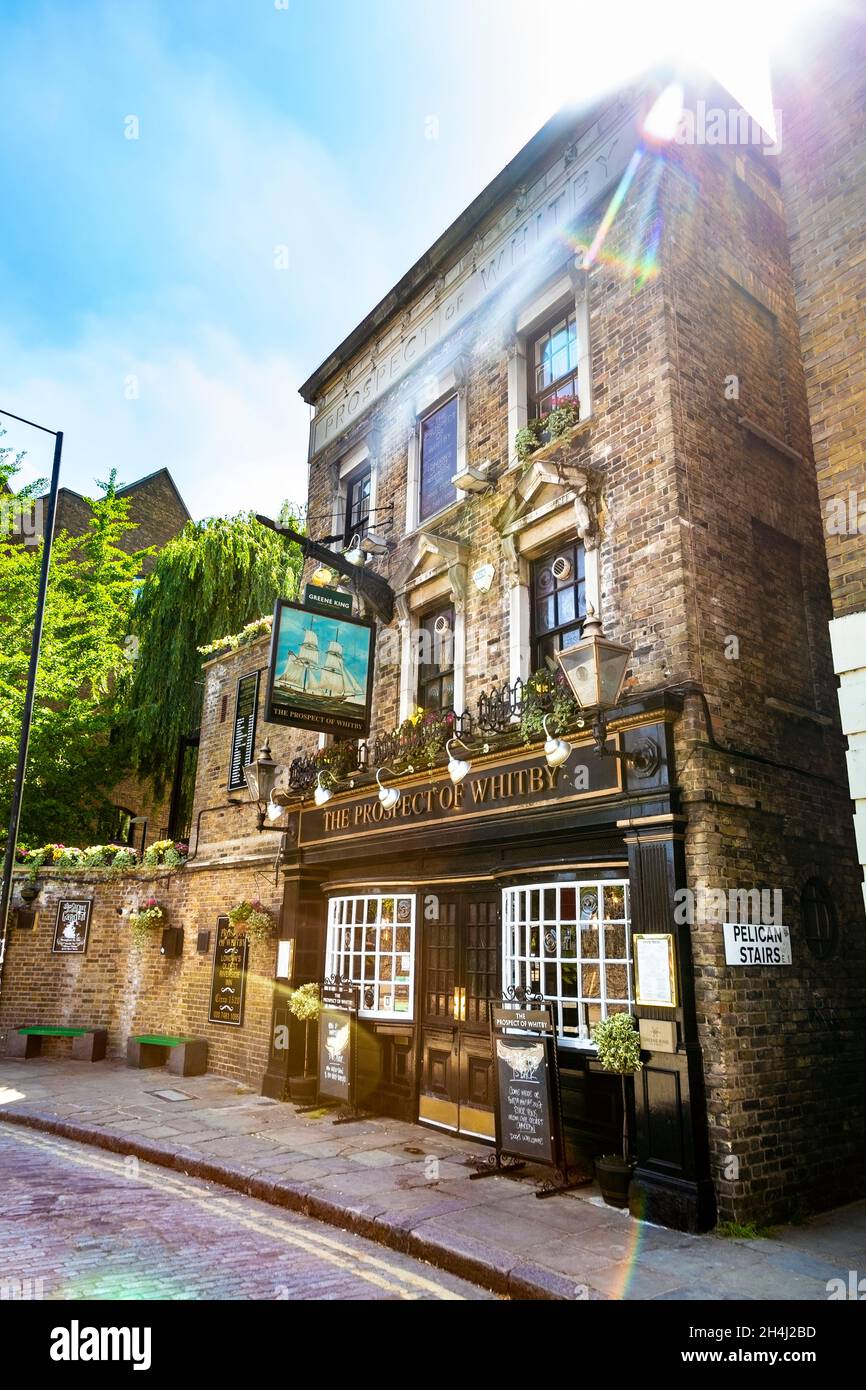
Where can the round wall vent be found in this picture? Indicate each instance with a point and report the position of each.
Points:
(561, 568)
(441, 625)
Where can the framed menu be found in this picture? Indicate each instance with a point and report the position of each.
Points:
(655, 973)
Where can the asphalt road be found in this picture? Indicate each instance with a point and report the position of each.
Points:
(82, 1224)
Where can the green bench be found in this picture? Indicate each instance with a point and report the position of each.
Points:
(88, 1044)
(185, 1056)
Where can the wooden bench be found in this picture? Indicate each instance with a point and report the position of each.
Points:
(185, 1056)
(88, 1044)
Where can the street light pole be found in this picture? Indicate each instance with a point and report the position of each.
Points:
(27, 718)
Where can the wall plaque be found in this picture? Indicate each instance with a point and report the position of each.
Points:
(658, 1034)
(72, 926)
(756, 943)
(229, 977)
(243, 730)
(655, 973)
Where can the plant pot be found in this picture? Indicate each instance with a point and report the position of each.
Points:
(613, 1175)
(29, 891)
(303, 1090)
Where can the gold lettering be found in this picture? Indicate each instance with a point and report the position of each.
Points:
(479, 789)
(552, 775)
(536, 779)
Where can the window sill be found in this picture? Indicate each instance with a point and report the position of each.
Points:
(445, 514)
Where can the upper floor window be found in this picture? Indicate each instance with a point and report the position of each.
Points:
(357, 504)
(438, 450)
(436, 660)
(558, 602)
(552, 356)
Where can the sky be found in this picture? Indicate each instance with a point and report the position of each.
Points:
(202, 197)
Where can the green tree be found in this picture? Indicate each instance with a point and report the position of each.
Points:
(76, 744)
(210, 581)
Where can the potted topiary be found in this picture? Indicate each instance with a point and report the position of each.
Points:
(618, 1044)
(306, 1005)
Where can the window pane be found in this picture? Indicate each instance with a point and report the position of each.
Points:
(438, 458)
(386, 978)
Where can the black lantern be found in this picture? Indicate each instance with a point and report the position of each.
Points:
(261, 777)
(595, 669)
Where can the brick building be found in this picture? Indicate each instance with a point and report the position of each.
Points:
(823, 168)
(679, 503)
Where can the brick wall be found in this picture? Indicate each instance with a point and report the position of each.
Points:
(113, 985)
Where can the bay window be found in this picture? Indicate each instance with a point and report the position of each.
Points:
(371, 942)
(571, 943)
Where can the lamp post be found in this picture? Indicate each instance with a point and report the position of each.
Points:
(30, 694)
(595, 669)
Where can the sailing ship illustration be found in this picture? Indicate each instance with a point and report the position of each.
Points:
(323, 679)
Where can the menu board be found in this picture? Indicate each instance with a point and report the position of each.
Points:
(243, 730)
(229, 978)
(524, 1097)
(72, 926)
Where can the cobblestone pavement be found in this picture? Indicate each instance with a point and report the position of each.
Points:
(411, 1189)
(93, 1226)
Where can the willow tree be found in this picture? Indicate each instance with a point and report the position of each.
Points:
(212, 579)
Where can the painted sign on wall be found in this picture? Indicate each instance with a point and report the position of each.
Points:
(229, 977)
(72, 926)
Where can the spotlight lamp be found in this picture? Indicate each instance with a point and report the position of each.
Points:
(389, 796)
(595, 669)
(261, 778)
(322, 576)
(322, 794)
(556, 750)
(458, 767)
(354, 553)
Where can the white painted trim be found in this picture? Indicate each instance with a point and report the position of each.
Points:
(519, 632)
(561, 293)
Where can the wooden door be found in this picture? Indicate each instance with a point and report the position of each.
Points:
(460, 974)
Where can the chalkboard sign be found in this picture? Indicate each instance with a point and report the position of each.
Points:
(525, 1100)
(243, 730)
(72, 926)
(337, 1040)
(229, 978)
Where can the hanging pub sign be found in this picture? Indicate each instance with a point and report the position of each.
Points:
(337, 1040)
(327, 600)
(72, 926)
(243, 730)
(229, 977)
(320, 672)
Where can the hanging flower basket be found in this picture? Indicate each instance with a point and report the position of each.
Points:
(145, 920)
(252, 920)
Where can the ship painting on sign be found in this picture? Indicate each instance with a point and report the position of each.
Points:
(316, 671)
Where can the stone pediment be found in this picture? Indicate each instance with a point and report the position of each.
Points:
(430, 554)
(544, 484)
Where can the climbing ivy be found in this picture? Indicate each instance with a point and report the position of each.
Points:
(214, 577)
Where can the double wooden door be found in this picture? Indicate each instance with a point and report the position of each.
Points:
(461, 972)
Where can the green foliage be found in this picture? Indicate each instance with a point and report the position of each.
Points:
(76, 744)
(743, 1230)
(618, 1044)
(305, 1002)
(251, 919)
(527, 440)
(544, 695)
(144, 920)
(213, 578)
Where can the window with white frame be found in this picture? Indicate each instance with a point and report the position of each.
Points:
(371, 941)
(570, 942)
(438, 458)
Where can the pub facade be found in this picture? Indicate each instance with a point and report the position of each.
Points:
(586, 400)
(580, 416)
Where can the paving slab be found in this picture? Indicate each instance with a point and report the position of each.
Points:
(411, 1189)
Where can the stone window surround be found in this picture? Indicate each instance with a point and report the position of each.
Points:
(444, 580)
(559, 294)
(532, 536)
(360, 455)
(435, 390)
